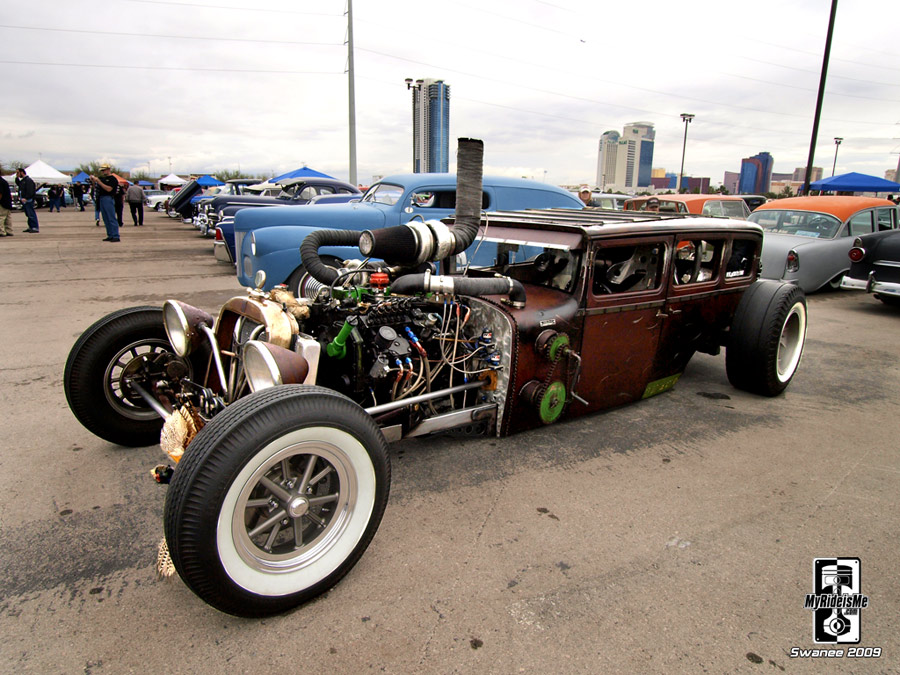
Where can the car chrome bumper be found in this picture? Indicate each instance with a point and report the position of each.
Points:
(222, 252)
(871, 285)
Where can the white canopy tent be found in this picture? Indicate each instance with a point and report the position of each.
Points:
(43, 174)
(172, 179)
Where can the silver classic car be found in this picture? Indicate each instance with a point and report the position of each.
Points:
(806, 239)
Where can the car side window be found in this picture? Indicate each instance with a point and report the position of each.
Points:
(306, 193)
(626, 269)
(861, 223)
(712, 208)
(696, 260)
(887, 219)
(325, 190)
(740, 260)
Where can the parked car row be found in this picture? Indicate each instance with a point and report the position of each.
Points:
(806, 239)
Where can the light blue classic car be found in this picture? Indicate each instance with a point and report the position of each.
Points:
(269, 239)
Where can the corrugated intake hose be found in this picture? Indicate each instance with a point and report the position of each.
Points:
(451, 285)
(309, 251)
(469, 172)
(413, 243)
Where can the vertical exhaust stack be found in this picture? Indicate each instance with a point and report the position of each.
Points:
(417, 242)
(469, 172)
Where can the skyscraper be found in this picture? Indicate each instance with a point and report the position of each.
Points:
(431, 125)
(756, 174)
(626, 161)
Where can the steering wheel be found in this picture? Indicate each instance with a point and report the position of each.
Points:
(543, 261)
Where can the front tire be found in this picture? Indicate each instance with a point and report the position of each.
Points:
(276, 499)
(890, 300)
(767, 338)
(119, 346)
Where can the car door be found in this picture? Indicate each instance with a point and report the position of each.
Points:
(699, 305)
(625, 295)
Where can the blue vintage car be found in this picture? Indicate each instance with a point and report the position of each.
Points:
(269, 239)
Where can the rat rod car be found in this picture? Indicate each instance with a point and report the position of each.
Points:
(278, 412)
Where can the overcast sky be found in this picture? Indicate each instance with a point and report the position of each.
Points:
(205, 85)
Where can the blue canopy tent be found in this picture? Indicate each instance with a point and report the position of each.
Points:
(304, 172)
(145, 183)
(81, 178)
(855, 182)
(208, 181)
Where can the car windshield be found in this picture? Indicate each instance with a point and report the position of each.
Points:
(537, 263)
(384, 193)
(800, 223)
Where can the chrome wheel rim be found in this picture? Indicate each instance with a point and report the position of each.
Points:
(126, 363)
(294, 507)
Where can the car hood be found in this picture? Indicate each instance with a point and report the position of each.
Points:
(355, 216)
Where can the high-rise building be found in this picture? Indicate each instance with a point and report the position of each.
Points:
(431, 125)
(731, 181)
(756, 174)
(799, 174)
(626, 161)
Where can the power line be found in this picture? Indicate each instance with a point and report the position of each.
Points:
(171, 68)
(680, 97)
(254, 10)
(167, 36)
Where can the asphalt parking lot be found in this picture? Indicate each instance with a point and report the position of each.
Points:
(673, 535)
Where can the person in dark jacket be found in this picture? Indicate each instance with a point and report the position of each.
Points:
(120, 203)
(53, 195)
(106, 187)
(5, 209)
(78, 195)
(26, 196)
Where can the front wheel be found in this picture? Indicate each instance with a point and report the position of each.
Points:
(767, 338)
(276, 499)
(127, 345)
(891, 300)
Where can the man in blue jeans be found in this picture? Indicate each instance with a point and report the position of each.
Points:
(106, 186)
(26, 196)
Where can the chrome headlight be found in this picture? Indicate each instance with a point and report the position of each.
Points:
(182, 324)
(267, 365)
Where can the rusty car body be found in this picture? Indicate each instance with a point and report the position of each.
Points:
(279, 410)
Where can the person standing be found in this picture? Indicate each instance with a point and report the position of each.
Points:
(120, 203)
(26, 196)
(134, 195)
(96, 197)
(5, 209)
(106, 186)
(78, 195)
(53, 197)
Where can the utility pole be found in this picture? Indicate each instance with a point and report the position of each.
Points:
(815, 130)
(352, 93)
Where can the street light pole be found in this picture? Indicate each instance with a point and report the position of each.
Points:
(686, 118)
(351, 94)
(837, 143)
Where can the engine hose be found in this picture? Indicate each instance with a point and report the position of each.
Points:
(458, 285)
(309, 252)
